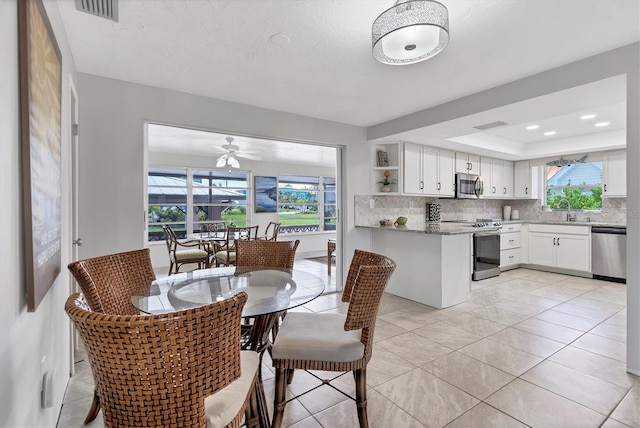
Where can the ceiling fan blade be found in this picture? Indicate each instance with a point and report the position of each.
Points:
(247, 156)
(218, 149)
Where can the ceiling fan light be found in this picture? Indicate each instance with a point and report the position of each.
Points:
(410, 32)
(221, 162)
(233, 162)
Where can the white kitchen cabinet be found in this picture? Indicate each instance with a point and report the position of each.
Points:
(614, 174)
(428, 171)
(559, 246)
(497, 177)
(392, 155)
(510, 246)
(522, 182)
(467, 163)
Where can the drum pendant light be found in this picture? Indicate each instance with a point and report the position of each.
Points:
(410, 32)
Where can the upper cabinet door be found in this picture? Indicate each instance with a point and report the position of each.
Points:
(614, 176)
(522, 180)
(507, 179)
(474, 164)
(446, 165)
(467, 163)
(413, 181)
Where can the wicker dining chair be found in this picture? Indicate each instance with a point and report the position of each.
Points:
(226, 253)
(193, 252)
(181, 369)
(269, 254)
(334, 342)
(107, 284)
(274, 254)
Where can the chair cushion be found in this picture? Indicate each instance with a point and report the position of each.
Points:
(191, 254)
(222, 255)
(317, 337)
(223, 406)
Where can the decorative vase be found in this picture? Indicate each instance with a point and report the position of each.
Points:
(506, 212)
(385, 189)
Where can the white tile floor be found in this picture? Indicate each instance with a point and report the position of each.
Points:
(529, 348)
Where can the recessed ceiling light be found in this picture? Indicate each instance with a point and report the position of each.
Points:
(601, 124)
(532, 127)
(549, 133)
(587, 116)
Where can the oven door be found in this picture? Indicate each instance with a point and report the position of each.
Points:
(486, 254)
(468, 186)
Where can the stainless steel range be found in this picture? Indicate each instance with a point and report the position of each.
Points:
(486, 248)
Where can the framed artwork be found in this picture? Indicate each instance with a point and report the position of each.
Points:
(266, 194)
(383, 159)
(40, 129)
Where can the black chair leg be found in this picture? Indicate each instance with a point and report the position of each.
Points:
(360, 377)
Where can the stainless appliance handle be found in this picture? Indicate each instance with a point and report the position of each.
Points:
(487, 233)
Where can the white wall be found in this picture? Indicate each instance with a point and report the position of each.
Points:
(311, 244)
(27, 337)
(112, 154)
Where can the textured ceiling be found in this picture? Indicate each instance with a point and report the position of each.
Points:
(222, 49)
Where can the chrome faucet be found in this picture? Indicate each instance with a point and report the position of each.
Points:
(569, 216)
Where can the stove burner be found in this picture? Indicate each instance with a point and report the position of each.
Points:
(481, 222)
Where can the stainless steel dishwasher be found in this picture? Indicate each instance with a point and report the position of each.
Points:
(609, 253)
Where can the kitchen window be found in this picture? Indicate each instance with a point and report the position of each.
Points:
(577, 186)
(187, 199)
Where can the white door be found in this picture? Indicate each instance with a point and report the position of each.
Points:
(73, 218)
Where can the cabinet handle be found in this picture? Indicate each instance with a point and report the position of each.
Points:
(511, 240)
(504, 190)
(493, 190)
(439, 185)
(510, 257)
(554, 241)
(558, 242)
(605, 187)
(421, 185)
(526, 190)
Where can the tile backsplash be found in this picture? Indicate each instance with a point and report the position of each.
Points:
(368, 213)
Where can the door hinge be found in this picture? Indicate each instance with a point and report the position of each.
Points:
(74, 129)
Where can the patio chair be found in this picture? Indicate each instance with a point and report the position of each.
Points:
(334, 342)
(271, 233)
(178, 369)
(226, 253)
(107, 284)
(193, 252)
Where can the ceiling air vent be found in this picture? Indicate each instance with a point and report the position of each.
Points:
(491, 125)
(104, 8)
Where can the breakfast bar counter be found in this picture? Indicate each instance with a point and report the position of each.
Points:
(433, 263)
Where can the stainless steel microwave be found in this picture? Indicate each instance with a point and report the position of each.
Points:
(469, 186)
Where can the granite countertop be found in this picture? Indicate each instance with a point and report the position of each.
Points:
(432, 228)
(453, 228)
(567, 223)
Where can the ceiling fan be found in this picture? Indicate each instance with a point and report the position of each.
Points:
(232, 152)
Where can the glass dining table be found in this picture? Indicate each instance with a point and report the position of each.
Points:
(270, 291)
